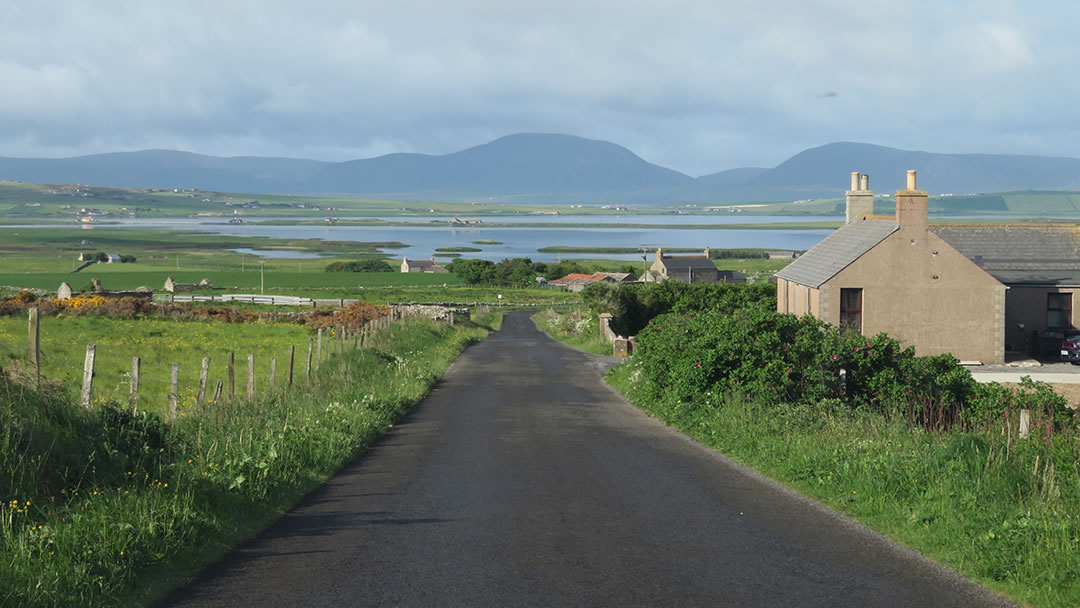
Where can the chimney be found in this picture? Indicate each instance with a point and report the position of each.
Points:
(707, 252)
(911, 205)
(860, 199)
(659, 254)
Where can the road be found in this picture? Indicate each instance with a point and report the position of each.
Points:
(523, 480)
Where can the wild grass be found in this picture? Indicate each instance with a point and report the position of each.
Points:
(576, 328)
(159, 343)
(105, 509)
(996, 508)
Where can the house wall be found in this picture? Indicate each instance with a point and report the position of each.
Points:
(792, 298)
(1025, 313)
(923, 292)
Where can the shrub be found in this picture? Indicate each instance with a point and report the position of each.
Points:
(778, 358)
(360, 266)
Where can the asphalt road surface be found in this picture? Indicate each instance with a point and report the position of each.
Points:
(523, 480)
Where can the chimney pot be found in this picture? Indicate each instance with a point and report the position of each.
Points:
(911, 179)
(854, 181)
(864, 183)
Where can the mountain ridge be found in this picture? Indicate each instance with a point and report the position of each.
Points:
(549, 168)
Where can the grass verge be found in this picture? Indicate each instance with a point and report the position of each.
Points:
(995, 508)
(575, 328)
(94, 502)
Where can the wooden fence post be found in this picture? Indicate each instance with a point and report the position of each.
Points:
(217, 392)
(318, 350)
(292, 361)
(232, 375)
(251, 376)
(344, 340)
(356, 339)
(273, 371)
(34, 349)
(1025, 423)
(308, 371)
(204, 372)
(88, 375)
(174, 391)
(133, 399)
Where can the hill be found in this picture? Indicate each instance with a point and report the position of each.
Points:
(549, 168)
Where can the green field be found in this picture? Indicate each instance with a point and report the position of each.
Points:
(159, 343)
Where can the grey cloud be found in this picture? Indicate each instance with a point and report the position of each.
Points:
(699, 86)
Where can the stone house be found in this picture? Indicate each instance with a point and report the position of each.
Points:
(971, 290)
(689, 269)
(408, 265)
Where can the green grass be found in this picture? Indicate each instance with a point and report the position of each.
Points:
(575, 328)
(313, 280)
(104, 509)
(995, 508)
(159, 343)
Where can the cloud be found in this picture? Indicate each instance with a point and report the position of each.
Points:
(696, 85)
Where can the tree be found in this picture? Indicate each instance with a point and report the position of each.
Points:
(475, 272)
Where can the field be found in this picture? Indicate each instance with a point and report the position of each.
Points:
(22, 200)
(159, 343)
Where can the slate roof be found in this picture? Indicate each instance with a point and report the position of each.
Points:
(687, 262)
(1019, 254)
(1015, 254)
(837, 251)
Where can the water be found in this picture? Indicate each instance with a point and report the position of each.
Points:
(523, 241)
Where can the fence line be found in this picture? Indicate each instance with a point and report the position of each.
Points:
(137, 381)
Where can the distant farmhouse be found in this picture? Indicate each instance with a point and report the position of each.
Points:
(408, 265)
(689, 269)
(971, 290)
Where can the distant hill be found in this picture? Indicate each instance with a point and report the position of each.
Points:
(164, 169)
(817, 171)
(516, 166)
(547, 168)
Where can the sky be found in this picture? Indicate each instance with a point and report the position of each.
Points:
(698, 86)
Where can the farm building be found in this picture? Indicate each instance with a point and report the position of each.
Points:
(408, 265)
(971, 290)
(689, 269)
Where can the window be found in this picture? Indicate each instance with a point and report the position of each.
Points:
(1058, 309)
(851, 309)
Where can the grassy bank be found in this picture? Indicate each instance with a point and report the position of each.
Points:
(577, 328)
(103, 508)
(996, 508)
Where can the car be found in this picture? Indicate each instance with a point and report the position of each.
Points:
(1070, 349)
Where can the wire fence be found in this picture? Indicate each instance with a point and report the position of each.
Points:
(161, 372)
